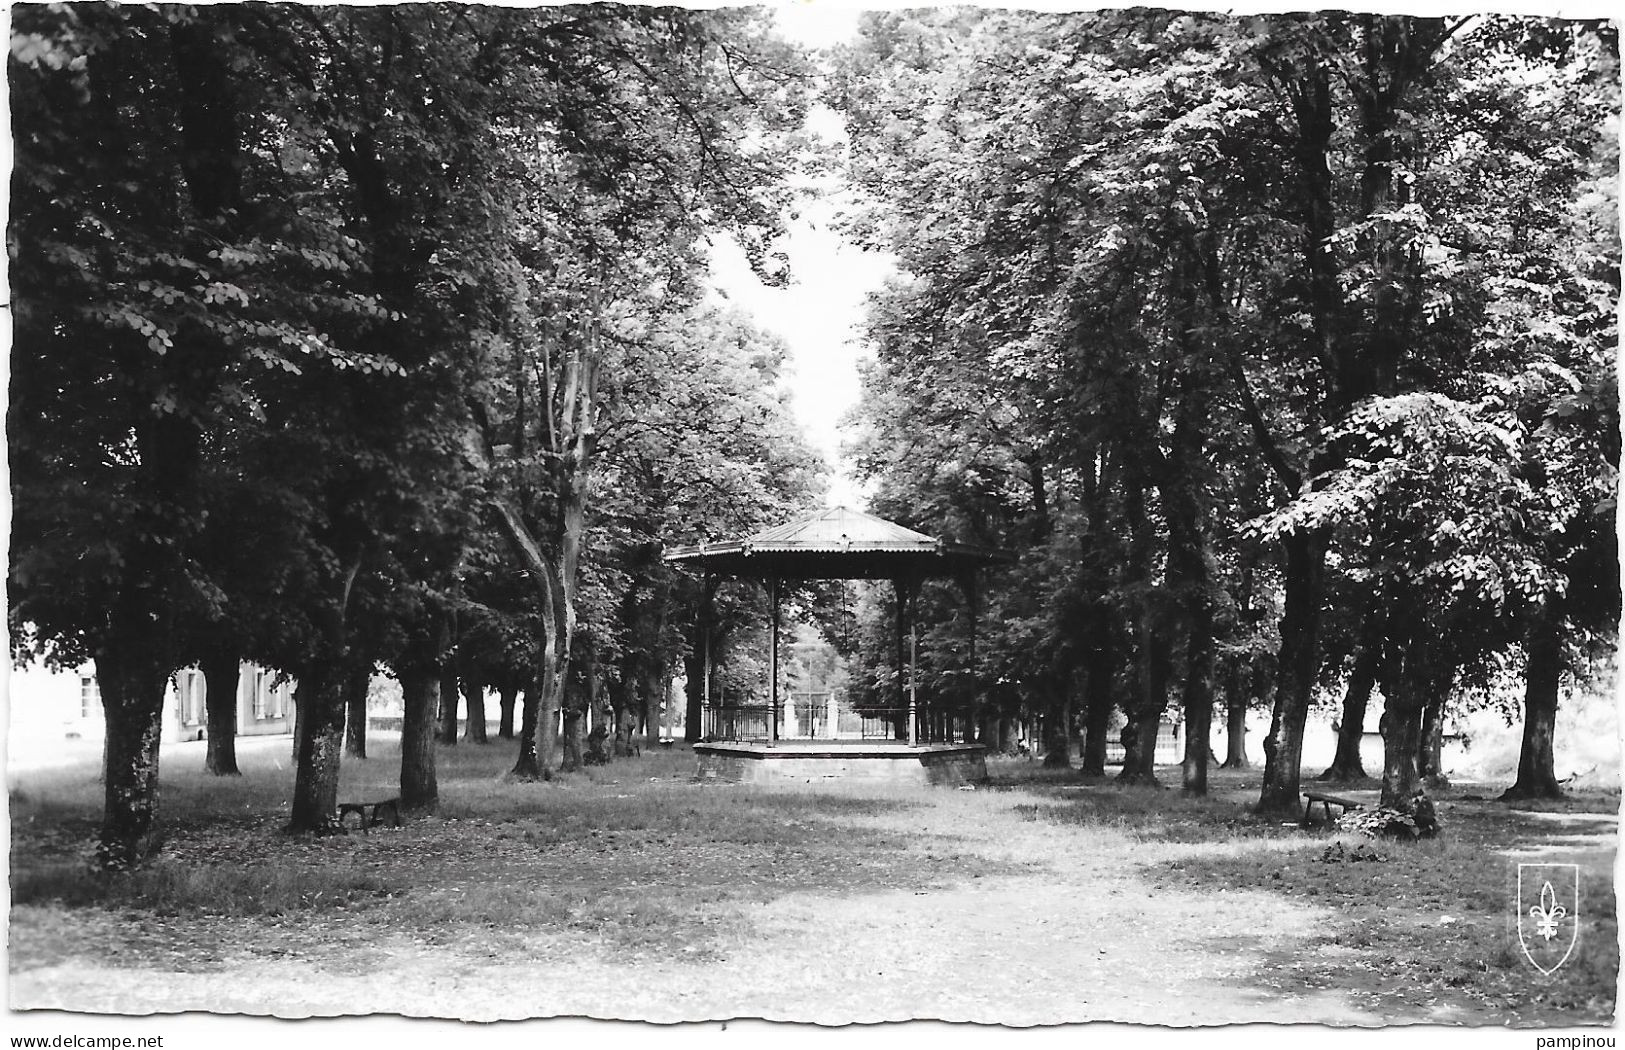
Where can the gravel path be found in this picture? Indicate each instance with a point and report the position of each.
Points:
(1083, 937)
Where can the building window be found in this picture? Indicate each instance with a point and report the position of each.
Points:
(187, 687)
(259, 694)
(90, 696)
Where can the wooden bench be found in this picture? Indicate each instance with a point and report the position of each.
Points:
(371, 814)
(1326, 804)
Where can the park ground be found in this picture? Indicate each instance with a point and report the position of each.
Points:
(632, 892)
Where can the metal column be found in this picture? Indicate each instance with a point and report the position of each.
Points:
(977, 714)
(907, 606)
(913, 674)
(773, 670)
(708, 717)
(899, 698)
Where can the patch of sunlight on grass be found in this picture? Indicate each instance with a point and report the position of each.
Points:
(1151, 815)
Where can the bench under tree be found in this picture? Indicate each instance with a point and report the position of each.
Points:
(1326, 803)
(371, 814)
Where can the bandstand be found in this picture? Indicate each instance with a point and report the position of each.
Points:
(754, 743)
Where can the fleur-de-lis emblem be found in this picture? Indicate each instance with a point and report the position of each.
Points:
(1548, 913)
(1549, 931)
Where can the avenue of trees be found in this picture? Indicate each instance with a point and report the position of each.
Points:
(1280, 348)
(356, 338)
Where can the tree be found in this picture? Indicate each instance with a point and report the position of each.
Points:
(137, 340)
(1060, 288)
(647, 117)
(1464, 568)
(1287, 221)
(1468, 271)
(313, 283)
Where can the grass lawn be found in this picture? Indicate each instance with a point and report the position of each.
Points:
(630, 891)
(1427, 923)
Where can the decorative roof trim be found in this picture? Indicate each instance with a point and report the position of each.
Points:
(860, 534)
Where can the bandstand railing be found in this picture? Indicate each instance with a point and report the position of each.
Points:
(755, 722)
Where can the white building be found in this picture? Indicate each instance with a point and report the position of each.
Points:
(48, 708)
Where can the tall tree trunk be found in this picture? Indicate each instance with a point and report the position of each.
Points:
(1098, 700)
(626, 705)
(547, 713)
(1132, 737)
(1077, 712)
(1197, 700)
(573, 439)
(209, 126)
(1405, 682)
(539, 732)
(555, 583)
(575, 743)
(449, 702)
(1306, 78)
(221, 673)
(1537, 766)
(693, 695)
(1057, 740)
(578, 696)
(602, 725)
(132, 690)
(626, 721)
(653, 683)
(355, 720)
(629, 708)
(1147, 694)
(1347, 764)
(420, 699)
(1182, 476)
(1356, 364)
(298, 729)
(1430, 755)
(1295, 682)
(1402, 735)
(1145, 710)
(644, 678)
(528, 766)
(1236, 702)
(987, 730)
(1188, 543)
(474, 703)
(320, 696)
(507, 696)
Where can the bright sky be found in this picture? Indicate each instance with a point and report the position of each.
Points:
(818, 314)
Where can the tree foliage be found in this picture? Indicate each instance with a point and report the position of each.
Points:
(314, 304)
(1238, 319)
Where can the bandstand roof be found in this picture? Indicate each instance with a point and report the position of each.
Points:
(837, 543)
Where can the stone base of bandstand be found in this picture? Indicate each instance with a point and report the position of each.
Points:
(813, 761)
